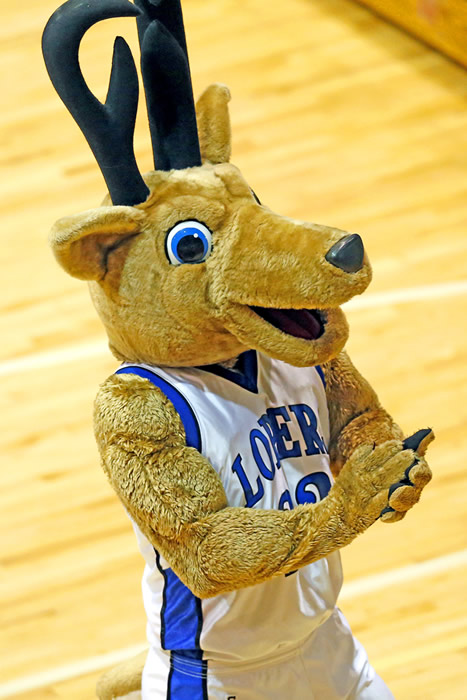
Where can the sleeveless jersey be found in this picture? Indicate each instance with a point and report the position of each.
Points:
(265, 430)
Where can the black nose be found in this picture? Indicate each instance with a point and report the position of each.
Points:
(347, 254)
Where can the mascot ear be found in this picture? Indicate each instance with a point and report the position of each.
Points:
(94, 243)
(212, 114)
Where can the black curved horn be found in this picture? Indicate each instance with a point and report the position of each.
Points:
(167, 84)
(108, 128)
(167, 12)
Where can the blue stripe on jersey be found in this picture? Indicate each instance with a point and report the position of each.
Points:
(181, 613)
(181, 405)
(319, 369)
(187, 681)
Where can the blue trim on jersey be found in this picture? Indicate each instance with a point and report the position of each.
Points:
(245, 373)
(187, 679)
(183, 615)
(319, 369)
(164, 597)
(181, 612)
(181, 405)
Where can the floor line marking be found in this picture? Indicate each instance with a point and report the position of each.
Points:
(42, 360)
(69, 671)
(411, 572)
(97, 348)
(353, 589)
(407, 295)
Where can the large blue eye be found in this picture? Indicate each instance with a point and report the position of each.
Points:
(188, 242)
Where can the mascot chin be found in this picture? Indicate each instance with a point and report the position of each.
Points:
(242, 442)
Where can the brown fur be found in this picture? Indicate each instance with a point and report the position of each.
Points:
(121, 680)
(185, 315)
(177, 499)
(214, 134)
(283, 258)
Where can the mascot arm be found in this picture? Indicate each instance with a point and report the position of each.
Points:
(177, 499)
(357, 418)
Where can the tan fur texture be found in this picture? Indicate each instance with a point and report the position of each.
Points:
(282, 259)
(259, 258)
(162, 314)
(178, 501)
(123, 680)
(356, 416)
(214, 134)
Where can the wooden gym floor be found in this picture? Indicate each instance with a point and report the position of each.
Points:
(338, 118)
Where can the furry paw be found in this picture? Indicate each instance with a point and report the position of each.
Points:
(404, 494)
(383, 481)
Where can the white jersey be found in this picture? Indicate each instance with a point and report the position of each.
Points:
(265, 430)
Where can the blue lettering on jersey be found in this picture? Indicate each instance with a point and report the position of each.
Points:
(270, 447)
(285, 501)
(257, 439)
(251, 497)
(279, 434)
(308, 425)
(312, 488)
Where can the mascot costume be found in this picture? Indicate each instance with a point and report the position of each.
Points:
(242, 442)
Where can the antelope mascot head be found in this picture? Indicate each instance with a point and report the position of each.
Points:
(227, 273)
(187, 269)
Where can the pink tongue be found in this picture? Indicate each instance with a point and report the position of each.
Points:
(299, 323)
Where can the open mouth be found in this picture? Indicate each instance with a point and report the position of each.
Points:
(299, 323)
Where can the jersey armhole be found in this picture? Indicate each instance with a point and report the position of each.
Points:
(320, 371)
